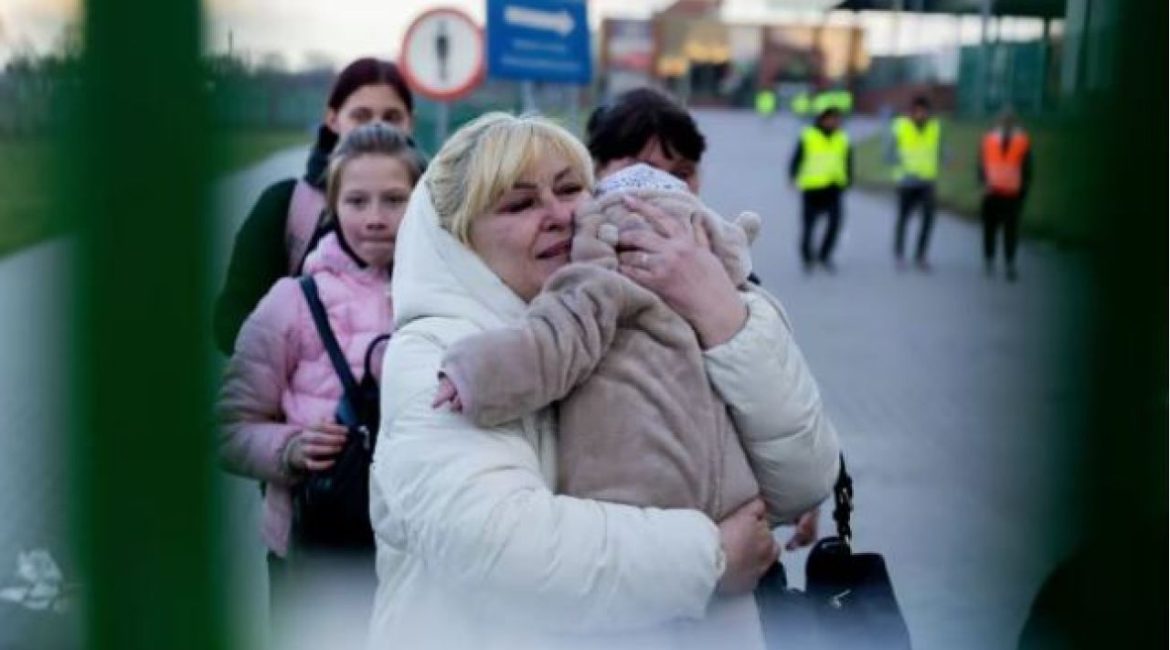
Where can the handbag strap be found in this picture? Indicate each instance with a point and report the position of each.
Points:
(843, 502)
(381, 338)
(321, 320)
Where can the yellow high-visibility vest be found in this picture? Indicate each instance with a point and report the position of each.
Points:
(845, 101)
(841, 100)
(918, 149)
(765, 102)
(823, 162)
(801, 104)
(824, 101)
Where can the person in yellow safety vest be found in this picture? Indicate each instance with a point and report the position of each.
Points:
(801, 104)
(1005, 173)
(845, 101)
(822, 169)
(765, 103)
(915, 150)
(842, 100)
(822, 101)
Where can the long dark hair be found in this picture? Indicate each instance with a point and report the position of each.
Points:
(365, 72)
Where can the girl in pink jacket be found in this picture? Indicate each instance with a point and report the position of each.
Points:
(281, 392)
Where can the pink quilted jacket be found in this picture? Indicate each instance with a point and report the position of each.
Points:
(280, 380)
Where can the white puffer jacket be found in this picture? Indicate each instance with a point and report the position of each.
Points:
(475, 550)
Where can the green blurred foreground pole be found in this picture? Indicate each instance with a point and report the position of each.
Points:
(1112, 591)
(1126, 464)
(143, 494)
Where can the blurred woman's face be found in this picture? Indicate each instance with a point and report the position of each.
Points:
(527, 234)
(372, 103)
(371, 201)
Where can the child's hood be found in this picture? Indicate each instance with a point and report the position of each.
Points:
(600, 221)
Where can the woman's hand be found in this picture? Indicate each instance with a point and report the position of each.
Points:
(682, 270)
(314, 450)
(748, 546)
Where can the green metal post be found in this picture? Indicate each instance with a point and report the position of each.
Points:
(1109, 593)
(144, 506)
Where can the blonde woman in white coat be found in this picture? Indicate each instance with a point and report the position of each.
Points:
(474, 548)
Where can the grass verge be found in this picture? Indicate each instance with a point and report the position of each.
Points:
(28, 169)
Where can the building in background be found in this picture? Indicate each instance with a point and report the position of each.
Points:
(626, 54)
(997, 69)
(692, 51)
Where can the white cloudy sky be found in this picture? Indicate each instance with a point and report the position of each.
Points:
(339, 30)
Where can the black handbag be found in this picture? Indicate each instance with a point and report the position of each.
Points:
(848, 602)
(331, 507)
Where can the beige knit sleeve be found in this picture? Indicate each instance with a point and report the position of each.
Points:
(503, 374)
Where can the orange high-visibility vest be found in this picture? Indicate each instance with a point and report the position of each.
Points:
(1003, 167)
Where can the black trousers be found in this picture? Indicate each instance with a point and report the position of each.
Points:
(909, 198)
(814, 203)
(1001, 213)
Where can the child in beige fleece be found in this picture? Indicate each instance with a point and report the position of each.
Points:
(639, 422)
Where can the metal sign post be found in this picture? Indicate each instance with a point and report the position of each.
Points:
(442, 59)
(539, 40)
(575, 110)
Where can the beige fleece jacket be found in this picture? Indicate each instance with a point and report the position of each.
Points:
(639, 422)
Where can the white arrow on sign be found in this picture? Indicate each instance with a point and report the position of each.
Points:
(560, 21)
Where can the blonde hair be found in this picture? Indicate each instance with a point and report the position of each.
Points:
(374, 139)
(486, 157)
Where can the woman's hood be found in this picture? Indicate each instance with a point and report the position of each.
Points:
(437, 276)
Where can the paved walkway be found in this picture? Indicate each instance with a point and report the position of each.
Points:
(948, 390)
(247, 571)
(35, 567)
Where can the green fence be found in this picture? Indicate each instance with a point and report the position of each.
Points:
(1020, 75)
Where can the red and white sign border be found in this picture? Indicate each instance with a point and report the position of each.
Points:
(421, 88)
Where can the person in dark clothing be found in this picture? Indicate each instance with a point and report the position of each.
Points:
(822, 168)
(915, 148)
(1005, 174)
(285, 223)
(644, 125)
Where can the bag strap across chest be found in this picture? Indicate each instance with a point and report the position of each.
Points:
(328, 338)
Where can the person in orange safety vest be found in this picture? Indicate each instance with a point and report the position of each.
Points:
(1005, 173)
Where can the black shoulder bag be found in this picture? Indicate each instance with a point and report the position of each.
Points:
(848, 602)
(331, 507)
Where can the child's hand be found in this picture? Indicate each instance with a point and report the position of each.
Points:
(313, 450)
(806, 530)
(748, 547)
(447, 393)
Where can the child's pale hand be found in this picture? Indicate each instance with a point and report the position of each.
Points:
(447, 393)
(314, 450)
(806, 530)
(748, 547)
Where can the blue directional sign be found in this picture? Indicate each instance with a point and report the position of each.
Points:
(539, 40)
